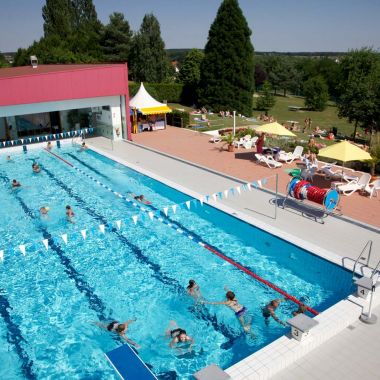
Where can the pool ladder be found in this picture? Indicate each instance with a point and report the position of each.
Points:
(364, 257)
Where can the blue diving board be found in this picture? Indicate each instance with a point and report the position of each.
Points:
(128, 364)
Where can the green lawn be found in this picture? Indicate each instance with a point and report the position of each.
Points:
(325, 120)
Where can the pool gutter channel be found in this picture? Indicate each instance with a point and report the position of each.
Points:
(267, 362)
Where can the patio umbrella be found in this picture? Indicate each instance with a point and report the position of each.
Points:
(344, 151)
(274, 129)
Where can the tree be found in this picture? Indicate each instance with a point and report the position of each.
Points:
(116, 39)
(359, 88)
(148, 60)
(326, 67)
(190, 74)
(57, 15)
(260, 75)
(84, 16)
(266, 100)
(227, 71)
(316, 93)
(3, 61)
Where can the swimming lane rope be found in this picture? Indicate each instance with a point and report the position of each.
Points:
(193, 237)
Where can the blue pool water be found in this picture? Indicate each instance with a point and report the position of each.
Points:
(50, 299)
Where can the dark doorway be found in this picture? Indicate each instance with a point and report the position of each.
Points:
(55, 122)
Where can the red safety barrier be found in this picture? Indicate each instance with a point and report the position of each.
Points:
(62, 159)
(255, 276)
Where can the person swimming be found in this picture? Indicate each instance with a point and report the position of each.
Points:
(239, 310)
(15, 184)
(142, 199)
(301, 310)
(120, 329)
(49, 145)
(70, 214)
(35, 167)
(83, 146)
(44, 210)
(9, 159)
(179, 336)
(193, 289)
(270, 311)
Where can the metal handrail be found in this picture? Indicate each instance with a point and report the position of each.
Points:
(369, 242)
(375, 270)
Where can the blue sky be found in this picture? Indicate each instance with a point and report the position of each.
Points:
(277, 25)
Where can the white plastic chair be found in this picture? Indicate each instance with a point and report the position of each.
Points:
(354, 185)
(290, 157)
(268, 160)
(372, 188)
(308, 174)
(238, 143)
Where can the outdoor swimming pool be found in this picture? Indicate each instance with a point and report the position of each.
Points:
(49, 299)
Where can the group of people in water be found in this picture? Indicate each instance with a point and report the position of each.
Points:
(179, 338)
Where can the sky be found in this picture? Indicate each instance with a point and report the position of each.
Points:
(277, 25)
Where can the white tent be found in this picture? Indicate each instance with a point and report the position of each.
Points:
(146, 104)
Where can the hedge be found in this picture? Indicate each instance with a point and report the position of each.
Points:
(174, 117)
(171, 92)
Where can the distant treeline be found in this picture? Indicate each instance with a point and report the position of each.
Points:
(179, 54)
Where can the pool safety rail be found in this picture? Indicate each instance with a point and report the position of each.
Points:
(191, 235)
(51, 137)
(128, 364)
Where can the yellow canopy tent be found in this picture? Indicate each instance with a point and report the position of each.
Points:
(146, 104)
(274, 129)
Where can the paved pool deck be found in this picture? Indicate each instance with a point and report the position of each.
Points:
(338, 240)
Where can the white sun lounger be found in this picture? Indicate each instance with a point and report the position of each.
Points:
(268, 160)
(290, 157)
(354, 185)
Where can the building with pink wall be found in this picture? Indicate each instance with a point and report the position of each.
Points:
(53, 98)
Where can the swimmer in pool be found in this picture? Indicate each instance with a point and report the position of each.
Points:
(193, 290)
(179, 337)
(35, 167)
(9, 159)
(15, 184)
(141, 198)
(83, 146)
(301, 310)
(270, 311)
(239, 310)
(44, 210)
(120, 329)
(70, 214)
(49, 145)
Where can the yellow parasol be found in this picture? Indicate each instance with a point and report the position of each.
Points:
(274, 129)
(344, 151)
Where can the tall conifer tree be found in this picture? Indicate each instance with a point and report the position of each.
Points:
(57, 15)
(148, 61)
(117, 39)
(227, 71)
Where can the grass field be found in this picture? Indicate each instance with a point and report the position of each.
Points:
(326, 119)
